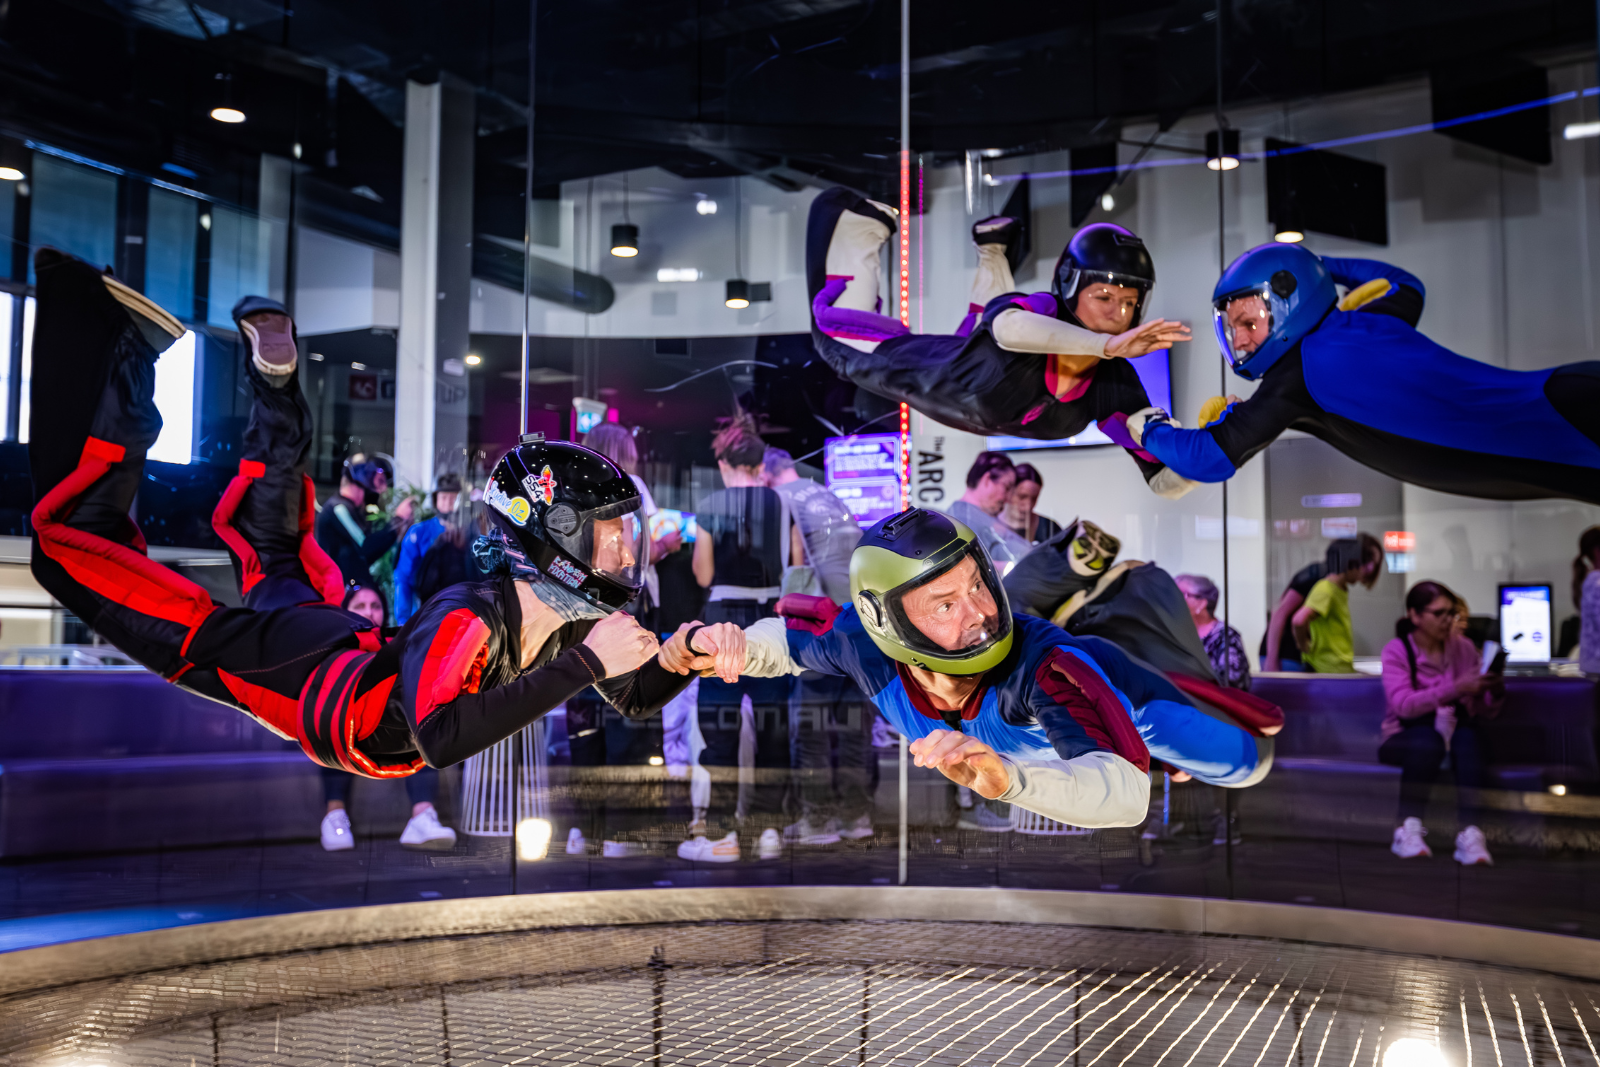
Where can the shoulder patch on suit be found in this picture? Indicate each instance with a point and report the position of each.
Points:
(455, 661)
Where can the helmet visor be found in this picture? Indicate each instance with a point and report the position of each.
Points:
(612, 540)
(1075, 282)
(1244, 322)
(956, 608)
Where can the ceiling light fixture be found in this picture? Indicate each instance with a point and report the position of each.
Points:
(1288, 237)
(227, 114)
(678, 274)
(11, 174)
(473, 359)
(1228, 157)
(1108, 202)
(705, 206)
(738, 293)
(1577, 131)
(624, 235)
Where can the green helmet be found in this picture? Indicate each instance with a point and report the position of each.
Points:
(908, 550)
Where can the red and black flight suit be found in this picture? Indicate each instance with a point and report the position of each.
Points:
(447, 686)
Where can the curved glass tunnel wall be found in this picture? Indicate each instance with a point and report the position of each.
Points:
(194, 813)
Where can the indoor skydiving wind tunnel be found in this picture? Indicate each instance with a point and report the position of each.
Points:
(805, 533)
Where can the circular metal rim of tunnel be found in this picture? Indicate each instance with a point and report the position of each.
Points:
(316, 962)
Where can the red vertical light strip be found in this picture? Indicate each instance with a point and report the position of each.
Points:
(905, 318)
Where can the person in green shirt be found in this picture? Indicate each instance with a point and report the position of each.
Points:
(1322, 625)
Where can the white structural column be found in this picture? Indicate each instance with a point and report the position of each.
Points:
(430, 412)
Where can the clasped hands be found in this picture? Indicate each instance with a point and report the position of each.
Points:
(718, 649)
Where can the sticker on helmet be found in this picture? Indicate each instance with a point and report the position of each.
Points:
(543, 486)
(514, 508)
(564, 571)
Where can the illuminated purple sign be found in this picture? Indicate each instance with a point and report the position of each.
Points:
(864, 472)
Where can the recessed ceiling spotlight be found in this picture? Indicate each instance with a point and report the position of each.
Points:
(1108, 202)
(227, 114)
(1288, 237)
(705, 206)
(678, 274)
(473, 359)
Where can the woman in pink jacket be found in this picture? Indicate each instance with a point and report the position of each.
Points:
(1434, 696)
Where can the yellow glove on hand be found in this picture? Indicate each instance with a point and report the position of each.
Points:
(1365, 294)
(1211, 411)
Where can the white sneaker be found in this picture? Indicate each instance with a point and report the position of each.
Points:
(858, 829)
(804, 833)
(576, 845)
(1470, 848)
(425, 831)
(702, 850)
(770, 845)
(616, 850)
(981, 818)
(1408, 843)
(336, 835)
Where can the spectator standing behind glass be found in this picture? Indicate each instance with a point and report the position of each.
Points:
(1279, 651)
(418, 542)
(1434, 697)
(586, 712)
(1322, 628)
(424, 830)
(343, 529)
(1019, 515)
(989, 483)
(830, 718)
(1224, 647)
(739, 554)
(1586, 593)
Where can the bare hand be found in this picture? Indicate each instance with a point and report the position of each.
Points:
(405, 509)
(621, 643)
(1467, 688)
(1158, 333)
(675, 655)
(724, 646)
(670, 541)
(964, 760)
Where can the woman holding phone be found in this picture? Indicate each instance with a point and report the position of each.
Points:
(1435, 697)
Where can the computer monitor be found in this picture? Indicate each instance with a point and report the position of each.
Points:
(1525, 623)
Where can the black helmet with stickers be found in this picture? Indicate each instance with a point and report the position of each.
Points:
(571, 515)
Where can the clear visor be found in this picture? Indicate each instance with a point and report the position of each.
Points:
(1074, 282)
(1243, 322)
(612, 540)
(956, 608)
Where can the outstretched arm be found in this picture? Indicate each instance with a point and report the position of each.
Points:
(1094, 789)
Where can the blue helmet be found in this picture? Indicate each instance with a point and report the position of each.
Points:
(1296, 293)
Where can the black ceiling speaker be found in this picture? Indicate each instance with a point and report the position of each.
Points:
(1464, 90)
(1101, 161)
(1309, 190)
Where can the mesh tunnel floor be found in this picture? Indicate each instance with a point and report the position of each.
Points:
(813, 992)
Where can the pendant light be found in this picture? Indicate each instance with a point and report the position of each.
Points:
(738, 292)
(625, 235)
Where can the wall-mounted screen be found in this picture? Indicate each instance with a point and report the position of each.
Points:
(1525, 623)
(864, 472)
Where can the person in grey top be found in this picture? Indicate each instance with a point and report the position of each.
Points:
(989, 483)
(830, 719)
(826, 523)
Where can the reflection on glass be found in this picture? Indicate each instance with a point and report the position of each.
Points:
(74, 208)
(170, 251)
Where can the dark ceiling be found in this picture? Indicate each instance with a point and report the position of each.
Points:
(795, 90)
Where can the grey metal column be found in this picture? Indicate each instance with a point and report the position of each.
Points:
(430, 412)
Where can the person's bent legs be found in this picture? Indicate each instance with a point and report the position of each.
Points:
(1466, 761)
(1419, 751)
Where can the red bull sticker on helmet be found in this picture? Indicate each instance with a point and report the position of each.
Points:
(514, 508)
(543, 486)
